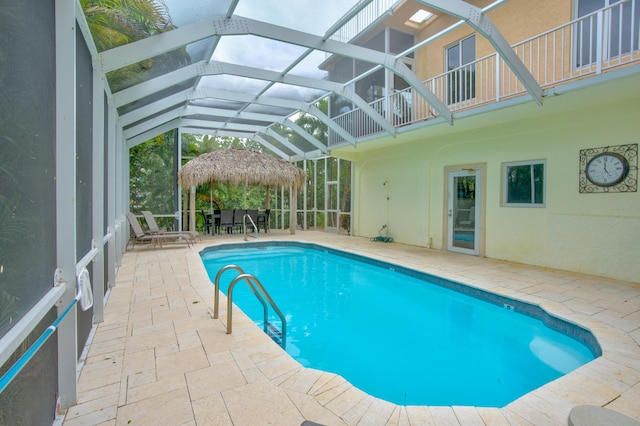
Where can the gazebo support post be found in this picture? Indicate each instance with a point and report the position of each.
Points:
(192, 210)
(185, 210)
(268, 202)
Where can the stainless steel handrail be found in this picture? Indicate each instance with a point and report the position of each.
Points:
(216, 286)
(244, 226)
(249, 278)
(216, 297)
(258, 290)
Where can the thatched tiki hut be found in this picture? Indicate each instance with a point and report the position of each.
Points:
(241, 167)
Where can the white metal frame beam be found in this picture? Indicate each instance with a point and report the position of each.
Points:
(180, 99)
(153, 46)
(248, 131)
(191, 94)
(269, 145)
(185, 112)
(217, 68)
(152, 133)
(284, 141)
(231, 134)
(479, 20)
(329, 86)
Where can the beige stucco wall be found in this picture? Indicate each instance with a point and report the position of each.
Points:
(592, 233)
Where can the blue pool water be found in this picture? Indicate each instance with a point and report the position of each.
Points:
(398, 337)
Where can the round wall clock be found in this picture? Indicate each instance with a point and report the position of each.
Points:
(607, 169)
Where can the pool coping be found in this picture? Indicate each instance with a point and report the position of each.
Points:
(160, 307)
(605, 386)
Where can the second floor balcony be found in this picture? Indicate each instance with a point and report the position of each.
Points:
(593, 45)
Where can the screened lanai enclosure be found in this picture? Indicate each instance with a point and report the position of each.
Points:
(96, 94)
(102, 102)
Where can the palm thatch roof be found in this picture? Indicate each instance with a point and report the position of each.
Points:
(240, 167)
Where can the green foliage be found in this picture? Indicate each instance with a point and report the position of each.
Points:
(221, 196)
(152, 183)
(117, 22)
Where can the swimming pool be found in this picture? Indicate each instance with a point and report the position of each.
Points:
(404, 336)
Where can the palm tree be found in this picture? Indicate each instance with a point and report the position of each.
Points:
(114, 23)
(117, 22)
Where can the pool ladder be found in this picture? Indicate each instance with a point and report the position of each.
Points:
(256, 287)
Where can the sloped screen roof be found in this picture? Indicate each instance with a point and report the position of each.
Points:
(220, 71)
(249, 68)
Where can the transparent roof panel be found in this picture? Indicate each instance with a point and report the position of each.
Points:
(156, 97)
(294, 93)
(310, 66)
(200, 50)
(232, 83)
(185, 12)
(147, 69)
(125, 22)
(309, 16)
(256, 52)
(267, 109)
(240, 73)
(249, 122)
(218, 103)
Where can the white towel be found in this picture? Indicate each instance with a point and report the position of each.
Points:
(85, 293)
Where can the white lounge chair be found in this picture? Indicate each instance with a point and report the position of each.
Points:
(139, 236)
(155, 229)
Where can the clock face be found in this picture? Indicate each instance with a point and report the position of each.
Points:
(607, 169)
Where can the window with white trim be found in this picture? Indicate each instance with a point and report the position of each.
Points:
(461, 70)
(523, 183)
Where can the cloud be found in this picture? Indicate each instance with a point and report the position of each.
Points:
(256, 52)
(310, 16)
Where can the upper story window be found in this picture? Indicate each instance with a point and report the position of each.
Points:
(523, 184)
(619, 29)
(460, 64)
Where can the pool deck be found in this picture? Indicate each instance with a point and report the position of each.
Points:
(160, 358)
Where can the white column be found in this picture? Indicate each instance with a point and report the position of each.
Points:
(111, 194)
(98, 195)
(66, 196)
(121, 153)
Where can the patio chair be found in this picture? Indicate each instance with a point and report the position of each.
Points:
(238, 214)
(216, 221)
(154, 229)
(263, 218)
(139, 236)
(208, 222)
(226, 220)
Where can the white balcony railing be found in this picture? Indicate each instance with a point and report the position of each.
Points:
(591, 45)
(360, 22)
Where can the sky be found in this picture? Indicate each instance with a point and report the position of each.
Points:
(310, 16)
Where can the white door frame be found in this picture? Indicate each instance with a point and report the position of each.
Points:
(479, 170)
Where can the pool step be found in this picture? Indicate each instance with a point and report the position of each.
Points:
(273, 332)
